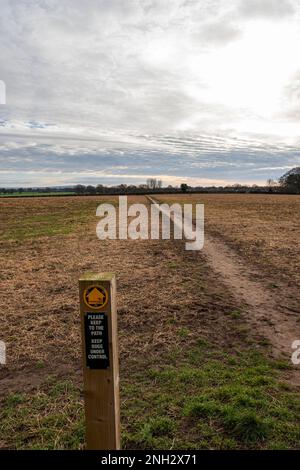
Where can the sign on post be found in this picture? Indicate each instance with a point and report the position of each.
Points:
(100, 360)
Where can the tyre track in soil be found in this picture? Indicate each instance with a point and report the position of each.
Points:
(273, 321)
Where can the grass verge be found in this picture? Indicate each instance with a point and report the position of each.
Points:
(197, 398)
(211, 401)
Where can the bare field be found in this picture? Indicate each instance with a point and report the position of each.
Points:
(252, 241)
(194, 373)
(264, 229)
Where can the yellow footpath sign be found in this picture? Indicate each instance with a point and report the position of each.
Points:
(95, 297)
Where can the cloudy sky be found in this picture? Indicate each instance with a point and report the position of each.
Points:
(114, 91)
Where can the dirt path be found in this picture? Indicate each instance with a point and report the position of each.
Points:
(274, 321)
(277, 324)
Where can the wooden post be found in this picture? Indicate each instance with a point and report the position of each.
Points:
(100, 360)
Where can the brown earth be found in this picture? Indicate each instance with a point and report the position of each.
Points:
(162, 289)
(251, 242)
(157, 281)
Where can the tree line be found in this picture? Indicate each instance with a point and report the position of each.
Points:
(289, 183)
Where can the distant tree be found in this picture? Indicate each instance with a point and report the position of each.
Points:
(271, 184)
(90, 189)
(291, 182)
(122, 188)
(154, 183)
(100, 189)
(131, 187)
(79, 189)
(151, 183)
(184, 187)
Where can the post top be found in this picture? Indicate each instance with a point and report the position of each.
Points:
(89, 276)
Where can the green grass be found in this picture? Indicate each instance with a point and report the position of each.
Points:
(183, 332)
(47, 225)
(210, 402)
(49, 418)
(172, 264)
(56, 219)
(35, 194)
(235, 314)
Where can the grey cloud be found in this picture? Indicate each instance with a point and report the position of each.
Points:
(266, 8)
(218, 32)
(291, 99)
(175, 157)
(68, 62)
